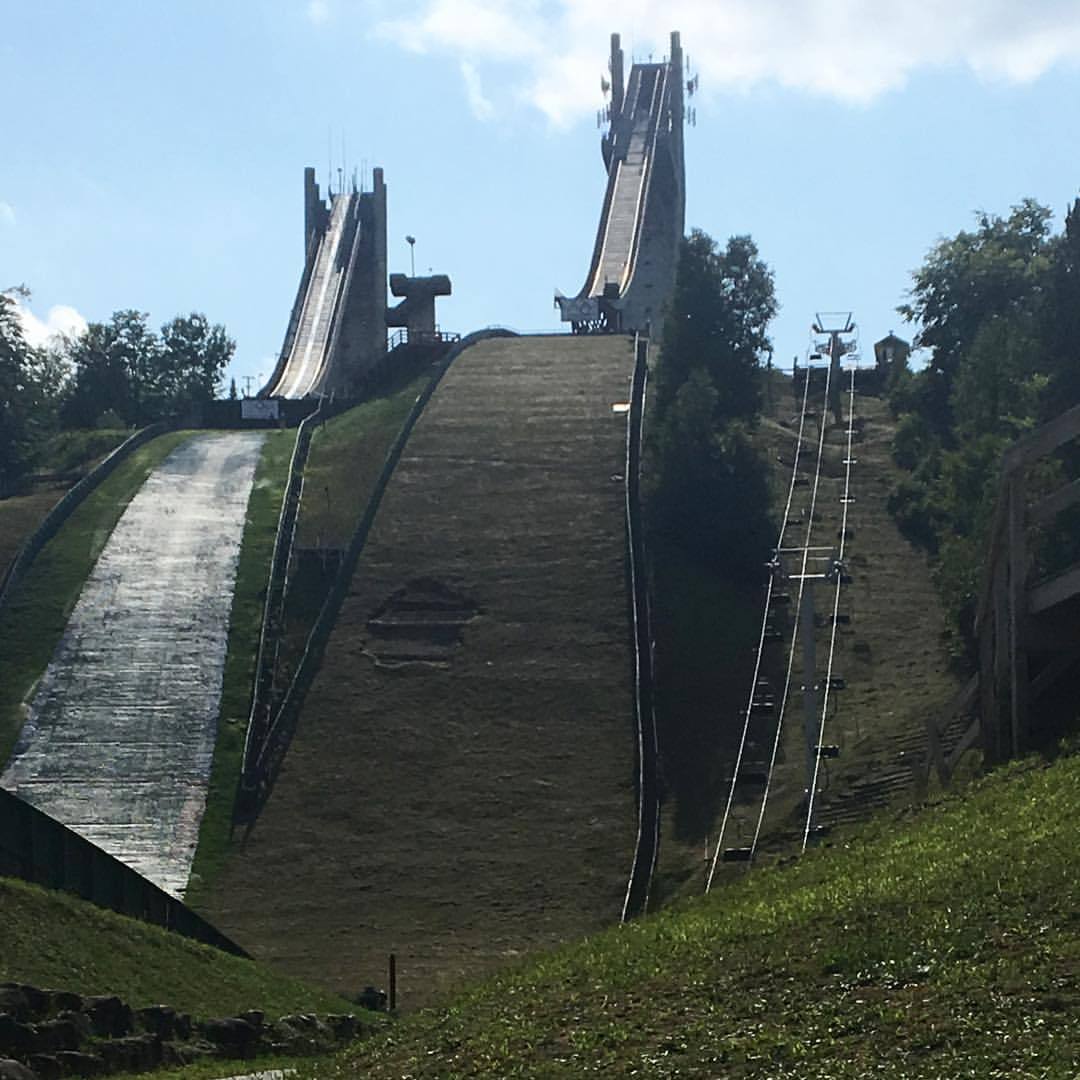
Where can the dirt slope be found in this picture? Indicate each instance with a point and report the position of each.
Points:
(461, 788)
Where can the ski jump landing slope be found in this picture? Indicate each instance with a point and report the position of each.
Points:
(461, 787)
(121, 731)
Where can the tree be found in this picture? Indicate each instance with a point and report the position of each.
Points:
(720, 311)
(709, 500)
(1001, 271)
(125, 368)
(115, 368)
(193, 361)
(31, 381)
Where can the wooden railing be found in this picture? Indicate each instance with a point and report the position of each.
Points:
(1010, 624)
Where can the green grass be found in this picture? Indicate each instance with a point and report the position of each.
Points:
(32, 622)
(944, 944)
(68, 450)
(51, 939)
(346, 455)
(245, 622)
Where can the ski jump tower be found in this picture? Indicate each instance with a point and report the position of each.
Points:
(632, 272)
(337, 330)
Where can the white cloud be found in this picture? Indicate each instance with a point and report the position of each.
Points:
(850, 50)
(61, 319)
(481, 107)
(318, 12)
(7, 214)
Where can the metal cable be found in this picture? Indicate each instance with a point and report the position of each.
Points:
(795, 630)
(836, 610)
(761, 636)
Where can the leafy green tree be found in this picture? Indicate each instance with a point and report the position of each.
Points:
(709, 499)
(31, 381)
(1002, 271)
(194, 356)
(722, 305)
(115, 367)
(123, 367)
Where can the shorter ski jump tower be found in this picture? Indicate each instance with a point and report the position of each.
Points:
(632, 272)
(337, 330)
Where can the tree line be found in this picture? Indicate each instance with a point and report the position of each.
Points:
(116, 374)
(998, 311)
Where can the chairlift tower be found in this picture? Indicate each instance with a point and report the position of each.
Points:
(840, 328)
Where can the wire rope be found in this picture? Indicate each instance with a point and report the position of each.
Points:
(845, 502)
(761, 636)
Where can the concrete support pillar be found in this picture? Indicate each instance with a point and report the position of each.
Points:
(617, 85)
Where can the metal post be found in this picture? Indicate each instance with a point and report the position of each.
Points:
(836, 350)
(810, 688)
(393, 983)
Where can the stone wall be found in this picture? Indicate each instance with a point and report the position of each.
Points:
(48, 1034)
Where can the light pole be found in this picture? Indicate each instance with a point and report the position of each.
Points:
(411, 241)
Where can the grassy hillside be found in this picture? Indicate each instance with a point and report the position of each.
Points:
(245, 622)
(50, 939)
(942, 945)
(892, 656)
(32, 622)
(459, 790)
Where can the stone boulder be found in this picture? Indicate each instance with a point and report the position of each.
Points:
(14, 1070)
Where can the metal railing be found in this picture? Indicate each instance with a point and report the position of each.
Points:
(267, 757)
(647, 847)
(56, 517)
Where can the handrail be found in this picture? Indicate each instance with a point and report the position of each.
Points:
(63, 509)
(262, 677)
(605, 210)
(1003, 609)
(660, 90)
(343, 290)
(647, 846)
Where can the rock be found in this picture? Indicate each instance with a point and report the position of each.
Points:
(14, 1070)
(64, 1001)
(80, 1020)
(16, 1039)
(133, 1053)
(301, 1033)
(109, 1017)
(184, 1053)
(13, 1002)
(158, 1019)
(51, 1036)
(37, 1000)
(183, 1025)
(72, 1063)
(45, 1066)
(233, 1037)
(254, 1017)
(344, 1026)
(370, 998)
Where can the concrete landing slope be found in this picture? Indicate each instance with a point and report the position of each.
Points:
(121, 731)
(461, 788)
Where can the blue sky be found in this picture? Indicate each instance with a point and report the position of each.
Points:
(153, 153)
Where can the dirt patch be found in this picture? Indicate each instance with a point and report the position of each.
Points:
(21, 515)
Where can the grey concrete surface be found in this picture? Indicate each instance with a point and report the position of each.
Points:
(120, 735)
